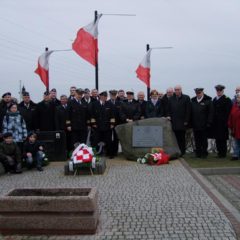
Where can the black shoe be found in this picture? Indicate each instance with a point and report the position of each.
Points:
(234, 158)
(18, 168)
(40, 169)
(111, 157)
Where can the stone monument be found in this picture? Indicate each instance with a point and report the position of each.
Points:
(134, 147)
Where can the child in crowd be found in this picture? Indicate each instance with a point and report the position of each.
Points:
(10, 154)
(33, 152)
(13, 122)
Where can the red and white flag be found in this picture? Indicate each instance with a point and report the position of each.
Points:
(86, 42)
(143, 70)
(43, 66)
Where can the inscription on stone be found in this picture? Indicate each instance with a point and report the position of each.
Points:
(147, 136)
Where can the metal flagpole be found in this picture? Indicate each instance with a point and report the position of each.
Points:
(96, 53)
(47, 87)
(148, 47)
(148, 87)
(96, 56)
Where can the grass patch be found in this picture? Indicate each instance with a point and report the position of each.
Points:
(210, 161)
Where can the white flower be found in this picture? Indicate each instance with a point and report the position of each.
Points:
(139, 160)
(144, 160)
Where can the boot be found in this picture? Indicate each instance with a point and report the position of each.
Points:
(18, 168)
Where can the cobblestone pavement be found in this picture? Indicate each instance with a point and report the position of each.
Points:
(229, 186)
(137, 202)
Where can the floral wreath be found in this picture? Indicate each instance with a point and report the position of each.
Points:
(156, 157)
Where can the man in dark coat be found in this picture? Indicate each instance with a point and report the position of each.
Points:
(143, 103)
(164, 100)
(78, 118)
(61, 115)
(115, 104)
(94, 95)
(222, 107)
(72, 93)
(45, 114)
(121, 95)
(86, 97)
(201, 119)
(154, 106)
(27, 109)
(130, 109)
(53, 97)
(179, 113)
(102, 122)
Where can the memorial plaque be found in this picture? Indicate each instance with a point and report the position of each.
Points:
(147, 136)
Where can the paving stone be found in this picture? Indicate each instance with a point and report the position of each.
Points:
(137, 202)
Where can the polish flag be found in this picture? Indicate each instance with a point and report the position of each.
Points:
(143, 70)
(86, 42)
(42, 69)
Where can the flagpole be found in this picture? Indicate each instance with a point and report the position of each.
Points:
(148, 87)
(20, 90)
(47, 87)
(96, 56)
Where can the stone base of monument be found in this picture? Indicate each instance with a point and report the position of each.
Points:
(49, 211)
(85, 169)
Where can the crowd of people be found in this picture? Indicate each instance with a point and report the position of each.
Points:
(85, 111)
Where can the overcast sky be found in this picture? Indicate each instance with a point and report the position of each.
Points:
(205, 35)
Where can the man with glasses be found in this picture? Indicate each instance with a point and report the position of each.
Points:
(222, 107)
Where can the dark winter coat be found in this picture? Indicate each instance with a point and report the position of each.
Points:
(102, 116)
(29, 114)
(61, 115)
(56, 102)
(78, 115)
(11, 150)
(130, 110)
(32, 148)
(143, 105)
(45, 116)
(222, 108)
(153, 111)
(201, 113)
(116, 111)
(179, 109)
(164, 102)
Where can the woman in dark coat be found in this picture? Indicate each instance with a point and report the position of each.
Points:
(154, 106)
